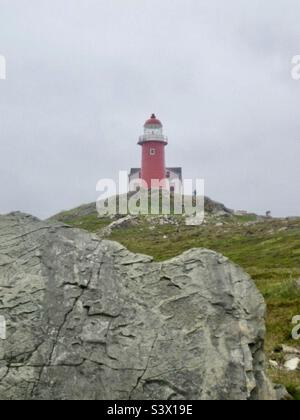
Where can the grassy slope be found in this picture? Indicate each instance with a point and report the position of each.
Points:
(269, 251)
(89, 222)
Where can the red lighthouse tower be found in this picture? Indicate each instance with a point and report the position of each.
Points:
(153, 144)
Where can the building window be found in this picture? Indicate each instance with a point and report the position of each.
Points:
(152, 152)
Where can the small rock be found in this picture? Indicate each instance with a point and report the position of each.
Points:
(290, 350)
(274, 364)
(292, 364)
(282, 229)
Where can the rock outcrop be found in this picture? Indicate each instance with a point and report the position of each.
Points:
(87, 319)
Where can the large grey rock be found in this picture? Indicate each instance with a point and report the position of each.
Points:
(87, 319)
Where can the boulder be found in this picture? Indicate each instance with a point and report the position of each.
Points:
(87, 319)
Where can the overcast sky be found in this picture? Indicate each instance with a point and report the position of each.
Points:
(84, 75)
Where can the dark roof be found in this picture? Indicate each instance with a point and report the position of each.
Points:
(134, 170)
(177, 171)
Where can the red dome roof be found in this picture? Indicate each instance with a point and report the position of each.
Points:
(153, 121)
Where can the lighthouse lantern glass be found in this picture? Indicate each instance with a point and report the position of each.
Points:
(153, 130)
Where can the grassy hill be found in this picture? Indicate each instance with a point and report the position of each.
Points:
(268, 249)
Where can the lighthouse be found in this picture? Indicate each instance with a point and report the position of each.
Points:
(153, 143)
(153, 170)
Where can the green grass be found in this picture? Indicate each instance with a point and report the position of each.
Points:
(246, 218)
(294, 388)
(91, 222)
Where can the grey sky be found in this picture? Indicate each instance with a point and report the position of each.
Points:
(83, 75)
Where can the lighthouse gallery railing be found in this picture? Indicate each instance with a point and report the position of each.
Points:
(153, 137)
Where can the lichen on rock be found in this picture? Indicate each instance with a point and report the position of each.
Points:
(87, 319)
